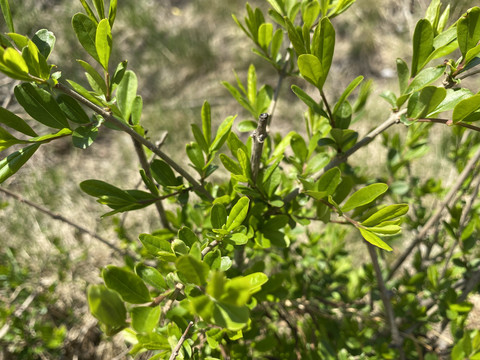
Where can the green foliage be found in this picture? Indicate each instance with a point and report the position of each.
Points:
(255, 265)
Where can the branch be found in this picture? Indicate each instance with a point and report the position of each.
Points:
(396, 338)
(209, 248)
(136, 136)
(181, 341)
(450, 123)
(65, 220)
(258, 137)
(435, 218)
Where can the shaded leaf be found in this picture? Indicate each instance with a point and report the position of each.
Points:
(128, 285)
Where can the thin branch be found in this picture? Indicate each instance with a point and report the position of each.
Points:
(435, 218)
(209, 247)
(450, 123)
(142, 157)
(330, 115)
(65, 220)
(136, 136)
(258, 137)
(181, 341)
(396, 337)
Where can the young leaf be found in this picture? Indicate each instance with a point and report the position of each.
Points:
(265, 34)
(387, 213)
(237, 214)
(13, 121)
(126, 93)
(329, 181)
(7, 14)
(85, 29)
(41, 106)
(222, 133)
(7, 139)
(364, 196)
(311, 69)
(13, 64)
(100, 8)
(195, 155)
(231, 165)
(295, 37)
(347, 92)
(112, 12)
(13, 162)
(323, 45)
(374, 239)
(45, 41)
(207, 122)
(197, 134)
(156, 245)
(192, 270)
(103, 42)
(422, 45)
(128, 285)
(89, 11)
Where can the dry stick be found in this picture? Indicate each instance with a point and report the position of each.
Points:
(17, 313)
(146, 167)
(136, 136)
(65, 220)
(396, 338)
(258, 137)
(435, 218)
(181, 341)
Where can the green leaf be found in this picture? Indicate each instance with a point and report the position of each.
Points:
(126, 93)
(128, 285)
(13, 162)
(311, 69)
(98, 188)
(218, 216)
(13, 64)
(295, 37)
(244, 162)
(468, 30)
(153, 341)
(207, 122)
(13, 121)
(310, 12)
(188, 236)
(195, 155)
(252, 85)
(151, 276)
(265, 34)
(95, 80)
(45, 41)
(237, 214)
(100, 8)
(329, 181)
(422, 45)
(37, 65)
(7, 139)
(107, 306)
(323, 45)
(346, 93)
(374, 239)
(424, 78)
(163, 173)
(85, 93)
(385, 229)
(193, 270)
(89, 11)
(85, 29)
(41, 106)
(145, 318)
(299, 147)
(230, 316)
(423, 103)
(112, 12)
(465, 108)
(387, 213)
(312, 104)
(156, 246)
(364, 196)
(7, 14)
(72, 109)
(222, 134)
(84, 136)
(231, 165)
(453, 97)
(103, 42)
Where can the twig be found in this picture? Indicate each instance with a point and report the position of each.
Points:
(146, 167)
(449, 122)
(181, 341)
(330, 115)
(396, 337)
(435, 218)
(258, 137)
(209, 248)
(65, 220)
(136, 136)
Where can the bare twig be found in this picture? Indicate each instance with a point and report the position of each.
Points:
(258, 137)
(181, 341)
(449, 122)
(209, 248)
(435, 218)
(136, 136)
(65, 220)
(396, 337)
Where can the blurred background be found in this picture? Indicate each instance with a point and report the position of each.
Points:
(181, 51)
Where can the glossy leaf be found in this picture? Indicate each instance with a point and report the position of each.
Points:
(265, 34)
(311, 69)
(364, 196)
(85, 29)
(374, 239)
(72, 109)
(192, 270)
(218, 216)
(103, 42)
(237, 214)
(386, 213)
(45, 41)
(41, 106)
(13, 162)
(128, 285)
(145, 318)
(13, 121)
(422, 45)
(329, 181)
(107, 306)
(465, 108)
(37, 65)
(100, 8)
(126, 93)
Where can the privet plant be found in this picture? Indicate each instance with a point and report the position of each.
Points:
(255, 265)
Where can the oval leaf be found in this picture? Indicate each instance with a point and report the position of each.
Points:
(237, 214)
(130, 286)
(364, 196)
